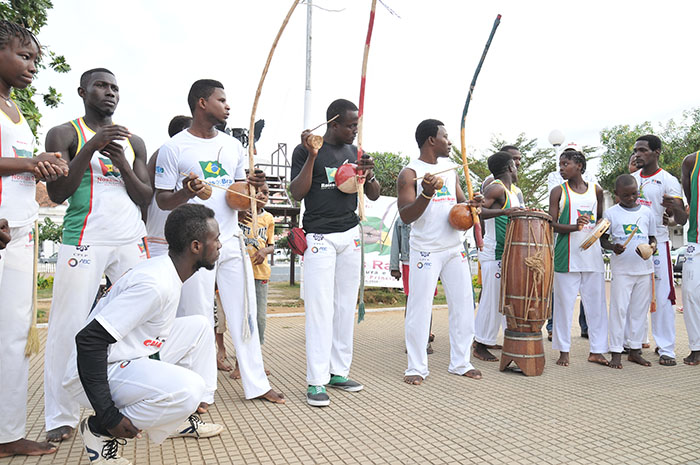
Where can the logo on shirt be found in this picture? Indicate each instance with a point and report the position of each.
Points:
(357, 242)
(153, 343)
(690, 249)
(159, 170)
(212, 169)
(314, 249)
(425, 254)
(124, 364)
(72, 262)
(442, 192)
(330, 174)
(463, 254)
(587, 212)
(108, 168)
(21, 153)
(142, 247)
(628, 228)
(318, 237)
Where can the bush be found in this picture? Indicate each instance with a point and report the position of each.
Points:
(43, 282)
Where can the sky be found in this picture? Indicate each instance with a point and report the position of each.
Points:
(578, 67)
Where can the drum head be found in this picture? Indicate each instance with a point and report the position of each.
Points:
(531, 214)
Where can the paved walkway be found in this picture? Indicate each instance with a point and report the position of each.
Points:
(581, 414)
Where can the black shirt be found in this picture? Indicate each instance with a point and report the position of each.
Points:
(328, 210)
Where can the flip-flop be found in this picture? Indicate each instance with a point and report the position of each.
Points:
(667, 361)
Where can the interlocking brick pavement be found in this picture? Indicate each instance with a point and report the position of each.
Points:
(580, 414)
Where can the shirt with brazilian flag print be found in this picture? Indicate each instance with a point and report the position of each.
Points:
(651, 193)
(100, 211)
(622, 222)
(327, 209)
(220, 161)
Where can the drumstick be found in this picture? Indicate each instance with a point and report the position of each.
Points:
(439, 172)
(329, 121)
(634, 231)
(221, 187)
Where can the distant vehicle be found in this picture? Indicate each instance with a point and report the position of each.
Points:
(677, 260)
(52, 259)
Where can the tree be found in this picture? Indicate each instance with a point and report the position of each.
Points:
(50, 231)
(387, 166)
(32, 14)
(678, 139)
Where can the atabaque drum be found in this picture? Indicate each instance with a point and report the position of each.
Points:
(527, 271)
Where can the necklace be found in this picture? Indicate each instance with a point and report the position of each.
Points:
(8, 100)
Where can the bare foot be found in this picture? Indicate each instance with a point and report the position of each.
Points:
(645, 345)
(667, 361)
(272, 396)
(563, 359)
(636, 357)
(416, 380)
(473, 374)
(482, 353)
(693, 358)
(236, 373)
(203, 407)
(616, 360)
(221, 363)
(59, 434)
(267, 372)
(598, 358)
(495, 347)
(26, 447)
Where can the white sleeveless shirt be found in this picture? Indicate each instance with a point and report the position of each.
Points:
(100, 211)
(17, 191)
(432, 231)
(568, 254)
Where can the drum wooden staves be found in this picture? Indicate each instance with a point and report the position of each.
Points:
(527, 272)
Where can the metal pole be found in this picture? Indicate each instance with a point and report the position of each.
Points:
(307, 90)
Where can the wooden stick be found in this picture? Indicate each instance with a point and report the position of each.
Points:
(223, 188)
(634, 231)
(439, 172)
(329, 121)
(361, 111)
(32, 347)
(251, 131)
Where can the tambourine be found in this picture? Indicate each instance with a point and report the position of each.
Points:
(598, 231)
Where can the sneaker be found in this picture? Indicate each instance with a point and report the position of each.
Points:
(194, 427)
(101, 449)
(317, 396)
(344, 383)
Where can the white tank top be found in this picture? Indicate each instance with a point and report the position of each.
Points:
(432, 231)
(495, 228)
(568, 254)
(100, 211)
(17, 191)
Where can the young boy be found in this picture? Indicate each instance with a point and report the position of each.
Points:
(576, 206)
(630, 290)
(19, 171)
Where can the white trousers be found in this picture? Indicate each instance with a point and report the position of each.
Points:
(16, 267)
(158, 395)
(630, 296)
(691, 294)
(197, 298)
(488, 320)
(79, 270)
(591, 286)
(663, 320)
(331, 283)
(452, 267)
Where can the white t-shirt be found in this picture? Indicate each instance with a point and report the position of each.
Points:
(432, 232)
(651, 193)
(17, 191)
(622, 223)
(220, 161)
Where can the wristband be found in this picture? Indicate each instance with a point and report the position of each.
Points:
(188, 184)
(427, 197)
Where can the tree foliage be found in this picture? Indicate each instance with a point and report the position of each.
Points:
(50, 231)
(678, 140)
(32, 14)
(387, 166)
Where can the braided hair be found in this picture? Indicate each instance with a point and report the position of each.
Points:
(576, 157)
(10, 30)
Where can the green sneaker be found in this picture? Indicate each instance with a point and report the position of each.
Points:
(316, 396)
(344, 383)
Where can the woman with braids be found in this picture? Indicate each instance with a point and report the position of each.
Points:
(19, 170)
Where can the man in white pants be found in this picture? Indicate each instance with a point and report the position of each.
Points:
(436, 252)
(332, 258)
(141, 369)
(500, 200)
(19, 172)
(103, 233)
(212, 156)
(691, 268)
(660, 191)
